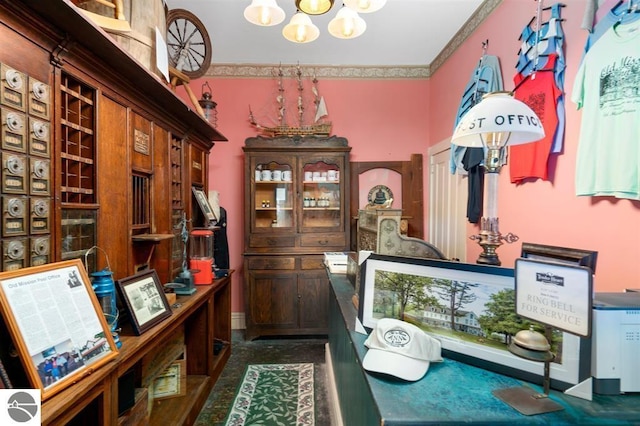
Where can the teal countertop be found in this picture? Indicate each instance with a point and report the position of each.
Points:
(455, 393)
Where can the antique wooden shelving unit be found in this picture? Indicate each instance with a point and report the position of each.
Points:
(289, 223)
(111, 163)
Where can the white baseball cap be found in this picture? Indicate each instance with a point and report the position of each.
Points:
(400, 349)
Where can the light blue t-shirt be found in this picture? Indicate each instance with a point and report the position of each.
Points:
(607, 88)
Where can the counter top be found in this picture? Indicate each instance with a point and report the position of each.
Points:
(451, 392)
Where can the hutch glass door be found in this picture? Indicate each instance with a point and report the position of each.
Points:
(321, 196)
(273, 196)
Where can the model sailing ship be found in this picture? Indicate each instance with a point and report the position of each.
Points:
(319, 127)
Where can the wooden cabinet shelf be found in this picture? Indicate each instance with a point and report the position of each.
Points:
(286, 288)
(115, 156)
(202, 319)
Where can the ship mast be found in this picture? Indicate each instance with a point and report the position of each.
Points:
(300, 90)
(280, 98)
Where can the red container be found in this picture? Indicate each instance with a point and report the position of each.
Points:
(201, 256)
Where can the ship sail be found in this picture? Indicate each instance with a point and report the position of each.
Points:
(321, 110)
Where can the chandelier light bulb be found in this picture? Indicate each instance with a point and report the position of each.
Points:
(365, 6)
(347, 24)
(300, 29)
(314, 7)
(265, 16)
(265, 13)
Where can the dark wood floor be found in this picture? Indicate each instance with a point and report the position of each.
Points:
(267, 351)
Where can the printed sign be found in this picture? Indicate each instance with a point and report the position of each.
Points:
(555, 294)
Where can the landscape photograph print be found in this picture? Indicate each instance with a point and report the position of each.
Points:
(470, 308)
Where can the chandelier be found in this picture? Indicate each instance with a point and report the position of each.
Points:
(300, 29)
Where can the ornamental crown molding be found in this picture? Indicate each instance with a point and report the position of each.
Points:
(365, 72)
(321, 71)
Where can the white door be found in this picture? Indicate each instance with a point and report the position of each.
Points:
(447, 204)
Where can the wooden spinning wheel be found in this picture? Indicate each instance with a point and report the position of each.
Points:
(188, 43)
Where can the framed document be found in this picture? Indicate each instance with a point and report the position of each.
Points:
(172, 381)
(56, 323)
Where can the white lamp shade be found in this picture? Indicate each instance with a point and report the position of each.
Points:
(365, 6)
(498, 120)
(314, 7)
(300, 29)
(347, 24)
(265, 13)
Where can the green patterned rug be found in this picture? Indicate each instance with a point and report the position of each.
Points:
(274, 394)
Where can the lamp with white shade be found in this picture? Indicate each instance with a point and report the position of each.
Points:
(365, 6)
(496, 121)
(300, 29)
(346, 24)
(265, 13)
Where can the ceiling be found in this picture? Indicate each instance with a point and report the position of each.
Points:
(402, 33)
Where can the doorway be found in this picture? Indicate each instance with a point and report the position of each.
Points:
(447, 204)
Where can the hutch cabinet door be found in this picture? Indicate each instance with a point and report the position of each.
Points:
(273, 195)
(313, 287)
(273, 300)
(322, 194)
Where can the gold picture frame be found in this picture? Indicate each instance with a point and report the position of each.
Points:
(58, 342)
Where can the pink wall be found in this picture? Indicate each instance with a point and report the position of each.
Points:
(391, 119)
(544, 212)
(382, 119)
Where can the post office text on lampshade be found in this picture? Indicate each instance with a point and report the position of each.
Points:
(498, 119)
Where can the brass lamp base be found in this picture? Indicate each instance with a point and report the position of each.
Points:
(490, 239)
(527, 401)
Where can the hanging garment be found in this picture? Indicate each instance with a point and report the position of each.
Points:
(607, 90)
(534, 55)
(594, 11)
(220, 242)
(486, 78)
(540, 93)
(472, 161)
(617, 15)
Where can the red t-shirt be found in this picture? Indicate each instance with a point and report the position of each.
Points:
(540, 93)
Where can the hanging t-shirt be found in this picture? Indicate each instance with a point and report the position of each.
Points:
(534, 54)
(607, 90)
(486, 78)
(540, 93)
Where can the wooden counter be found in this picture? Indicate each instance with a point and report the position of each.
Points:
(450, 393)
(202, 318)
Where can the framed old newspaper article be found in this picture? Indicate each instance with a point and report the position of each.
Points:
(56, 324)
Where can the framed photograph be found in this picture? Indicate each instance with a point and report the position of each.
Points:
(203, 202)
(144, 299)
(56, 324)
(471, 309)
(564, 255)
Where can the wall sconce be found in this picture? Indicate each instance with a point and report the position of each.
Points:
(208, 106)
(496, 121)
